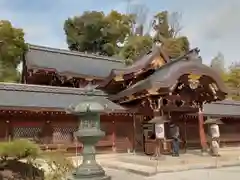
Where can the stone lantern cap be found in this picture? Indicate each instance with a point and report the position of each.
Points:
(213, 121)
(87, 106)
(94, 104)
(159, 120)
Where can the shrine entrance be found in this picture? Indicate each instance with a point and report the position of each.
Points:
(178, 87)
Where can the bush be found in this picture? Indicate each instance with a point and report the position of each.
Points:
(11, 166)
(17, 170)
(11, 154)
(58, 165)
(18, 149)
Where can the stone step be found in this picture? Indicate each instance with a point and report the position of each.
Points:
(151, 161)
(133, 168)
(146, 161)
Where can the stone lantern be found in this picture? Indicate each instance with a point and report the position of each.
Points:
(160, 145)
(215, 135)
(89, 133)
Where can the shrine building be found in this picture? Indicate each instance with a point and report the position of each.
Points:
(182, 90)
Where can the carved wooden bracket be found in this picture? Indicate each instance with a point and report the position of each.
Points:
(155, 104)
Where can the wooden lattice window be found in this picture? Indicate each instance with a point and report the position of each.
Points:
(63, 134)
(26, 132)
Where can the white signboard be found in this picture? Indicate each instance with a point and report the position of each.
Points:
(214, 129)
(159, 131)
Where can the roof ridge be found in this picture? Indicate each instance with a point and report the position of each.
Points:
(49, 89)
(75, 53)
(224, 102)
(180, 58)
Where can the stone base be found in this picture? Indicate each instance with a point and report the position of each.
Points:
(158, 158)
(90, 178)
(91, 171)
(204, 152)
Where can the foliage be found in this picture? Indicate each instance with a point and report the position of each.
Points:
(19, 170)
(230, 76)
(13, 155)
(12, 46)
(95, 32)
(16, 160)
(9, 73)
(117, 34)
(161, 26)
(217, 63)
(135, 46)
(167, 32)
(232, 79)
(18, 149)
(58, 165)
(176, 47)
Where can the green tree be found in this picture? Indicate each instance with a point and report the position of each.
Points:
(117, 34)
(139, 42)
(232, 80)
(95, 32)
(12, 46)
(217, 63)
(135, 46)
(167, 27)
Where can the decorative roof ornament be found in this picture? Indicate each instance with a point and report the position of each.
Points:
(193, 80)
(194, 54)
(158, 44)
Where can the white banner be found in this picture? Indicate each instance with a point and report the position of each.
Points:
(159, 131)
(214, 129)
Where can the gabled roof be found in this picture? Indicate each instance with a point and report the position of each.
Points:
(48, 97)
(140, 64)
(167, 75)
(70, 63)
(144, 61)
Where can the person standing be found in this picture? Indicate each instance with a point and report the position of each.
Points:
(174, 131)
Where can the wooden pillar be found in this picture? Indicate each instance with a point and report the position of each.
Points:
(202, 134)
(7, 131)
(113, 136)
(134, 132)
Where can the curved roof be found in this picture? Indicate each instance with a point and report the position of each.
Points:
(167, 75)
(144, 61)
(139, 64)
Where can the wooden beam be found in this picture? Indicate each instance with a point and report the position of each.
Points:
(113, 136)
(24, 112)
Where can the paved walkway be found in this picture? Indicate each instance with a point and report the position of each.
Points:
(142, 164)
(232, 173)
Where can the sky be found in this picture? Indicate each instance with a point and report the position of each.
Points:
(211, 25)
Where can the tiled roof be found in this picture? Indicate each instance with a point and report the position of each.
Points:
(70, 63)
(167, 75)
(222, 109)
(34, 96)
